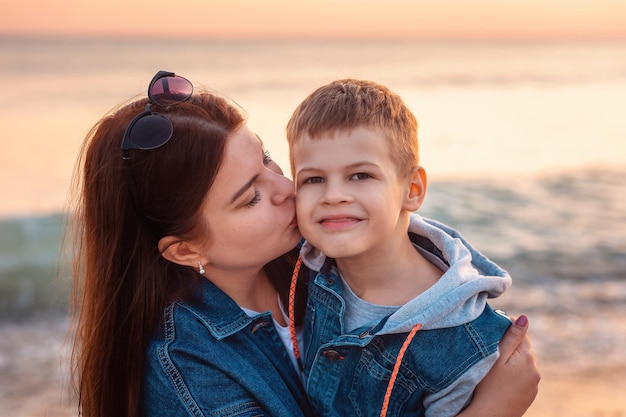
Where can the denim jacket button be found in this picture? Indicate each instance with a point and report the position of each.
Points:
(332, 355)
(330, 281)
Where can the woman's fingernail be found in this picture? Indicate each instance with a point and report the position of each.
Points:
(521, 321)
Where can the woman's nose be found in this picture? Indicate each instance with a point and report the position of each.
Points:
(283, 188)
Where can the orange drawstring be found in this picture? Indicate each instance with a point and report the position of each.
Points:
(292, 310)
(396, 369)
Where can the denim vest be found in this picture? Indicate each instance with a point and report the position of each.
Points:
(210, 359)
(348, 373)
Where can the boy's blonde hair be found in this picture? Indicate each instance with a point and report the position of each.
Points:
(348, 104)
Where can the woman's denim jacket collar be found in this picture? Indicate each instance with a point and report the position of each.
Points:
(211, 359)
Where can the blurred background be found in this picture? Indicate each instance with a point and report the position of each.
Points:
(522, 134)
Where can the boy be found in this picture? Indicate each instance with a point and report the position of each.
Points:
(397, 323)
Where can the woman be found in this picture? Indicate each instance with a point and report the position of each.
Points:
(185, 241)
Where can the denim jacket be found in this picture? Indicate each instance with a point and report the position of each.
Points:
(211, 359)
(348, 372)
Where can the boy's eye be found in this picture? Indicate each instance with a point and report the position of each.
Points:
(360, 176)
(267, 158)
(313, 180)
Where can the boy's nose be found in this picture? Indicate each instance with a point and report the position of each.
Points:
(334, 194)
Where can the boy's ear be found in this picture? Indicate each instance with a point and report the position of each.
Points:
(417, 190)
(180, 251)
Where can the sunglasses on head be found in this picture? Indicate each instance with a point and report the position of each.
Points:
(151, 130)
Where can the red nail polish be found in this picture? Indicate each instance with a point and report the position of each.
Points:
(521, 321)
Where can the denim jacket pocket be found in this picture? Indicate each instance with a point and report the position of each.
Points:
(243, 409)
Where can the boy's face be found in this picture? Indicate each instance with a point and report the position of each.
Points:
(349, 195)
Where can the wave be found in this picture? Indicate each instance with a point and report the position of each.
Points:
(31, 277)
(557, 235)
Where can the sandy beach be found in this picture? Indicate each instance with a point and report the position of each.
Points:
(599, 392)
(33, 378)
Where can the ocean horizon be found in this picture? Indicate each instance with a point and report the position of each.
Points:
(485, 108)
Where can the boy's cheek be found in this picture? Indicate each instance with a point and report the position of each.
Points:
(303, 208)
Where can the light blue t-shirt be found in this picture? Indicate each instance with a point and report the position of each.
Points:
(361, 313)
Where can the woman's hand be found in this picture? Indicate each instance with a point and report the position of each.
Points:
(512, 384)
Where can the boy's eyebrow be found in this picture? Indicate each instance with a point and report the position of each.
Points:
(243, 189)
(351, 166)
(361, 163)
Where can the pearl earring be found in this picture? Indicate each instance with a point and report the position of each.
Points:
(200, 268)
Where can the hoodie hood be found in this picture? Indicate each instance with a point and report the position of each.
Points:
(458, 297)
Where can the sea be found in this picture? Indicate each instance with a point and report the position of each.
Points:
(524, 144)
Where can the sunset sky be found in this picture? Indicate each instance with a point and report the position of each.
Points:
(519, 19)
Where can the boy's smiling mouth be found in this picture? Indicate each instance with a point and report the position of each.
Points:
(339, 222)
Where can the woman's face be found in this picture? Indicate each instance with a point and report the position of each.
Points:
(250, 209)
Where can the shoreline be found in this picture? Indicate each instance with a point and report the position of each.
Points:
(34, 377)
(597, 393)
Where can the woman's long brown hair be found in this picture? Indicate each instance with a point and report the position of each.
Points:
(121, 283)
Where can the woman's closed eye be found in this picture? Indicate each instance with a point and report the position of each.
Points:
(269, 162)
(255, 199)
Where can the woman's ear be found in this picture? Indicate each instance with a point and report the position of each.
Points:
(417, 189)
(180, 251)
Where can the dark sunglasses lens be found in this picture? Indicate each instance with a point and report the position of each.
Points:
(170, 90)
(151, 131)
